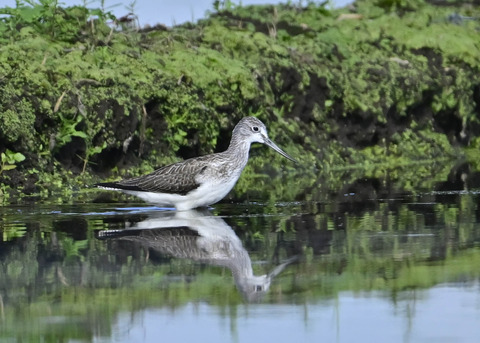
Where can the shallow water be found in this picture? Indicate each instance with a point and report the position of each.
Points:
(353, 268)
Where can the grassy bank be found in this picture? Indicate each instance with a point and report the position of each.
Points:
(383, 84)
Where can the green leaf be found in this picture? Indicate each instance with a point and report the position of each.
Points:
(18, 157)
(80, 134)
(9, 167)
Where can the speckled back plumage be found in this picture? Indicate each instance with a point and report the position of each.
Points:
(179, 178)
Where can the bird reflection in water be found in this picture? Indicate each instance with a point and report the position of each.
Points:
(201, 237)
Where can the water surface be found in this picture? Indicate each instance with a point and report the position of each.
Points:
(401, 268)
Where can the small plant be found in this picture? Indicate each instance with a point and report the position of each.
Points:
(69, 129)
(9, 160)
(90, 151)
(48, 18)
(226, 5)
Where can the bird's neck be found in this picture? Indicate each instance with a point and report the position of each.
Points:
(238, 150)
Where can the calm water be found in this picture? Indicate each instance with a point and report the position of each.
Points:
(355, 268)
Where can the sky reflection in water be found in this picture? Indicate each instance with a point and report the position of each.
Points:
(445, 313)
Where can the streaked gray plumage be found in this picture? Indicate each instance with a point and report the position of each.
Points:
(178, 178)
(199, 181)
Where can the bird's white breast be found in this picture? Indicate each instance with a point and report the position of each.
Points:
(211, 190)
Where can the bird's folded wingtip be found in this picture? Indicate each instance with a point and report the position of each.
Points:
(114, 186)
(106, 185)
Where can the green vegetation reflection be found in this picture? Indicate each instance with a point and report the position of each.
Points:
(54, 269)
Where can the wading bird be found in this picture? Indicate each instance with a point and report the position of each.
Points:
(199, 181)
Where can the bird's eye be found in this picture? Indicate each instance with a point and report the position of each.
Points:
(255, 128)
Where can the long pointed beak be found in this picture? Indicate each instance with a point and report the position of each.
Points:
(272, 145)
(278, 269)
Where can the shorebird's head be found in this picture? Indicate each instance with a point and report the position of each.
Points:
(253, 130)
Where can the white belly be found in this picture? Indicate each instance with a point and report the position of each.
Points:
(208, 193)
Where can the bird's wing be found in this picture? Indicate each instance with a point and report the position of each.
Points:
(179, 178)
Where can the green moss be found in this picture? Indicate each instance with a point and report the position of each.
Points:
(380, 89)
(17, 122)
